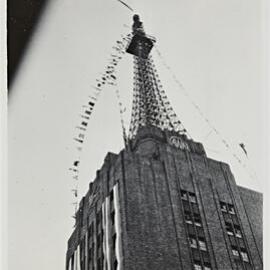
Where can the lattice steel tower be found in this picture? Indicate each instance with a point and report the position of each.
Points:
(150, 103)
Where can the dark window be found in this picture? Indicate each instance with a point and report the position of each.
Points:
(192, 241)
(202, 244)
(241, 243)
(186, 206)
(206, 258)
(200, 231)
(235, 251)
(195, 209)
(223, 206)
(197, 220)
(192, 197)
(197, 265)
(184, 195)
(188, 217)
(244, 255)
(237, 231)
(229, 228)
(207, 266)
(235, 220)
(191, 230)
(231, 209)
(196, 254)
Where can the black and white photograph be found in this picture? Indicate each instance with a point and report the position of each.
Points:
(136, 135)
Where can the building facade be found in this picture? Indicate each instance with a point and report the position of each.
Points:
(161, 203)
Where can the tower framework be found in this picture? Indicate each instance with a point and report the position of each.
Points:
(150, 103)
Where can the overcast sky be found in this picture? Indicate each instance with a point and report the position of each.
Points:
(215, 50)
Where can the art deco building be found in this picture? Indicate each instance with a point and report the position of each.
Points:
(161, 203)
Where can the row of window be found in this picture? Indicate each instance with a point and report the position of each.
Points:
(234, 232)
(193, 219)
(233, 229)
(188, 196)
(194, 227)
(240, 253)
(199, 266)
(197, 243)
(227, 207)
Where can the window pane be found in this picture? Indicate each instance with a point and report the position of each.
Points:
(188, 217)
(231, 209)
(244, 256)
(193, 242)
(235, 251)
(192, 197)
(202, 245)
(197, 265)
(184, 195)
(223, 206)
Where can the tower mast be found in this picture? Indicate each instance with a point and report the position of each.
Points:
(150, 104)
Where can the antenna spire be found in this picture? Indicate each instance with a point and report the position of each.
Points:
(150, 104)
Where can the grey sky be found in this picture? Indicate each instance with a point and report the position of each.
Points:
(215, 50)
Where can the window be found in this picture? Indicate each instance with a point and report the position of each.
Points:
(237, 231)
(244, 255)
(184, 195)
(229, 228)
(188, 217)
(231, 209)
(197, 265)
(207, 266)
(193, 242)
(235, 251)
(192, 197)
(197, 220)
(223, 206)
(186, 206)
(202, 244)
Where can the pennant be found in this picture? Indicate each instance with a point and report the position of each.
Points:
(93, 98)
(85, 117)
(80, 141)
(76, 163)
(72, 169)
(75, 192)
(81, 128)
(81, 136)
